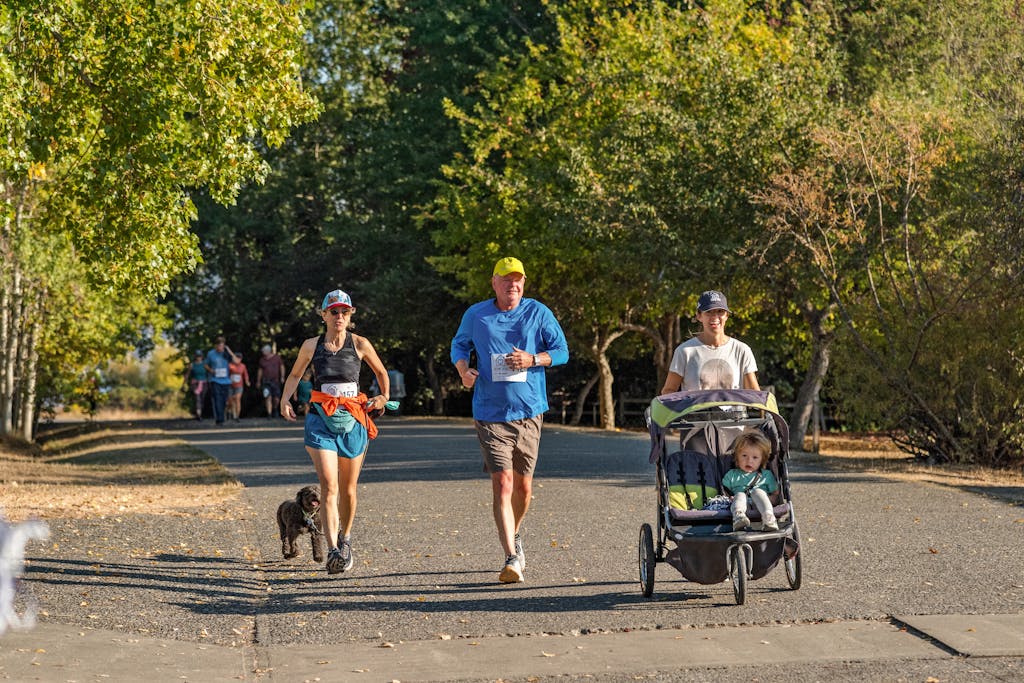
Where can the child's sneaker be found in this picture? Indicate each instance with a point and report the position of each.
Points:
(771, 525)
(740, 521)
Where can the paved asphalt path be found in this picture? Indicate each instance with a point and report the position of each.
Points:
(876, 552)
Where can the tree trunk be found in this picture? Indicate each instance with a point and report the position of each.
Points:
(581, 399)
(28, 411)
(803, 408)
(607, 401)
(599, 350)
(671, 336)
(665, 339)
(435, 385)
(12, 352)
(22, 409)
(6, 376)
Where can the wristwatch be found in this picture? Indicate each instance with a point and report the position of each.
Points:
(536, 361)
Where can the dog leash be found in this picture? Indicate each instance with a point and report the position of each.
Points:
(310, 523)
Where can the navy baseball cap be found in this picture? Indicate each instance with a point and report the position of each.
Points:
(710, 300)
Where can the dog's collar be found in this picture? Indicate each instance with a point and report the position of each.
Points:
(310, 521)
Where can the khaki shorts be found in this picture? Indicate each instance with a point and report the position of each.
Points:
(510, 445)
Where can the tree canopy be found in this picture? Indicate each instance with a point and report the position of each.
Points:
(849, 173)
(620, 161)
(112, 114)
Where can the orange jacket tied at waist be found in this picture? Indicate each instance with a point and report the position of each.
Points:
(354, 405)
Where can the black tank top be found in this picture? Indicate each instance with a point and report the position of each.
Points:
(341, 366)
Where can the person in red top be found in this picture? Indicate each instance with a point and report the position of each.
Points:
(239, 376)
(270, 377)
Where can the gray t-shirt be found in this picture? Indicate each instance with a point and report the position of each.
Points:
(704, 367)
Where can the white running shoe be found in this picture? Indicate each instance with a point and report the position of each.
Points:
(512, 572)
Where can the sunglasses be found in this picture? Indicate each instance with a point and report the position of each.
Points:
(339, 310)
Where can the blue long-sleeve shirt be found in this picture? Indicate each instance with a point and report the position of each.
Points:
(530, 326)
(219, 361)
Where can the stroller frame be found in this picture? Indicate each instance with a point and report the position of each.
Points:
(701, 544)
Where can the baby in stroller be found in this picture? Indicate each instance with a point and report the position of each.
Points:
(750, 480)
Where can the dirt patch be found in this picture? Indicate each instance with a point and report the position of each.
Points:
(876, 454)
(86, 470)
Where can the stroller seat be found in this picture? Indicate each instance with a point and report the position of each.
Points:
(723, 516)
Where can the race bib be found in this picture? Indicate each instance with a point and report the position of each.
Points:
(340, 389)
(501, 372)
(236, 379)
(220, 372)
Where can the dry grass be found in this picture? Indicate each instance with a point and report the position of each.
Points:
(877, 455)
(95, 469)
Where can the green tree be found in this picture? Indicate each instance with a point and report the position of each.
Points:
(907, 254)
(346, 198)
(111, 113)
(150, 385)
(620, 162)
(907, 213)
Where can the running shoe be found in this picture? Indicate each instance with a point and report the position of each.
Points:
(334, 561)
(512, 572)
(345, 548)
(519, 551)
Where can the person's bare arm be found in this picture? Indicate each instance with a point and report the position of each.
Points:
(301, 363)
(750, 381)
(467, 373)
(673, 381)
(369, 355)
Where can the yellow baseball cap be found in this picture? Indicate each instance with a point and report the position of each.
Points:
(509, 265)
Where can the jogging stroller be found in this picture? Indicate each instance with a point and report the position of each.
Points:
(692, 515)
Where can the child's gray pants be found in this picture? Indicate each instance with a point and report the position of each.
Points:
(761, 502)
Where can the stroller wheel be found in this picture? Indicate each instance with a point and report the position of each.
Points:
(793, 570)
(738, 573)
(646, 560)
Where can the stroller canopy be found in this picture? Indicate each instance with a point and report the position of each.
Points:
(666, 410)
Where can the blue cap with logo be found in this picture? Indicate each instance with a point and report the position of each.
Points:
(336, 298)
(710, 300)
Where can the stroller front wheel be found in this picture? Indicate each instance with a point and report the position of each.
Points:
(647, 560)
(793, 569)
(738, 573)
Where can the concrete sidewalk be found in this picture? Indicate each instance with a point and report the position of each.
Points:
(52, 652)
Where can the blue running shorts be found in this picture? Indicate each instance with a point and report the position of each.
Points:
(318, 436)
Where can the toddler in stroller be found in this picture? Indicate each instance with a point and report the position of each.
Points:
(749, 478)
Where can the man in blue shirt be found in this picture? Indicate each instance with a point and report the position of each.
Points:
(513, 338)
(217, 361)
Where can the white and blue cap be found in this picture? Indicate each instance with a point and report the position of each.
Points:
(711, 300)
(335, 298)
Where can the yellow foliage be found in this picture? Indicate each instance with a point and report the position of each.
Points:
(37, 171)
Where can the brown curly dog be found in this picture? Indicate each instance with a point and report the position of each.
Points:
(299, 516)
